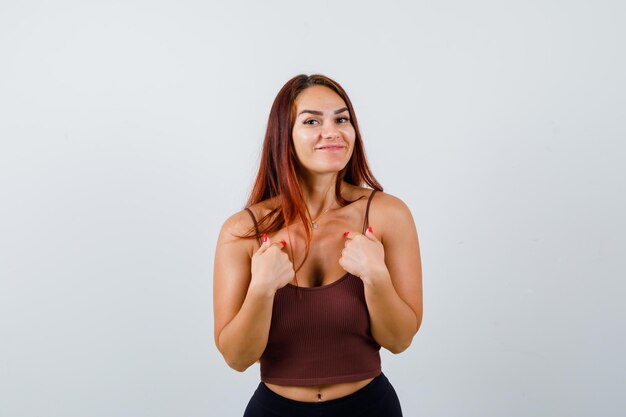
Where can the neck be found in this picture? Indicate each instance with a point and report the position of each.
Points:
(319, 193)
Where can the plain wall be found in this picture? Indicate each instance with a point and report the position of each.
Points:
(130, 130)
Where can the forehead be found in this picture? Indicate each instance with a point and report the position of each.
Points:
(319, 97)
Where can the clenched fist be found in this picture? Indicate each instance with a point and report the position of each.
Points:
(271, 267)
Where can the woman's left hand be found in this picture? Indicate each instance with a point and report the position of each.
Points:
(363, 255)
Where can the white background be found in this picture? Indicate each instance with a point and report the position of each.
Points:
(130, 130)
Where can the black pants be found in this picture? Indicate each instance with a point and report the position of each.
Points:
(376, 399)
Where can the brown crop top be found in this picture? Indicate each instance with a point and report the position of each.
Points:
(320, 335)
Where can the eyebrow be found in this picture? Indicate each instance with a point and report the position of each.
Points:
(319, 113)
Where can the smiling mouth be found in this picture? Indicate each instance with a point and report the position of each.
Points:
(330, 147)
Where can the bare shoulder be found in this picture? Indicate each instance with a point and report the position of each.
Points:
(390, 213)
(391, 216)
(241, 223)
(238, 224)
(381, 198)
(388, 201)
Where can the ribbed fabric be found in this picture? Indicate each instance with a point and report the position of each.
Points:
(321, 335)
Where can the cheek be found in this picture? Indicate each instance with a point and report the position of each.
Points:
(302, 138)
(350, 134)
(301, 143)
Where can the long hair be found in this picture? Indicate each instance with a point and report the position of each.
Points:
(278, 173)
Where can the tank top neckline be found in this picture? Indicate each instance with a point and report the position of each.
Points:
(321, 287)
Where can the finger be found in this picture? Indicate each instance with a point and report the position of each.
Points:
(280, 244)
(369, 233)
(349, 235)
(265, 244)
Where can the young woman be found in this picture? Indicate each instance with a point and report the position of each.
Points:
(318, 271)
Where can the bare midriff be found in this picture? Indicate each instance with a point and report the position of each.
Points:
(316, 393)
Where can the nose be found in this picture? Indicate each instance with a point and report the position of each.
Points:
(329, 131)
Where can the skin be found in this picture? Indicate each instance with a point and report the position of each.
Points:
(387, 259)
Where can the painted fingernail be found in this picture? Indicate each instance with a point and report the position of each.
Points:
(370, 229)
(345, 234)
(282, 242)
(264, 237)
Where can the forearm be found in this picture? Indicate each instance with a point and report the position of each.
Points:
(243, 340)
(393, 323)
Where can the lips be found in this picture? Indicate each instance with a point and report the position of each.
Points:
(331, 147)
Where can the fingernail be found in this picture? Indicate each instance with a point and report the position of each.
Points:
(345, 234)
(264, 237)
(282, 242)
(370, 229)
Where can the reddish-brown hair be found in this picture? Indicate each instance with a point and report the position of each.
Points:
(278, 169)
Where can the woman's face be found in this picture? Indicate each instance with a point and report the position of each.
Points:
(323, 135)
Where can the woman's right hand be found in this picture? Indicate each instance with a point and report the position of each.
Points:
(271, 267)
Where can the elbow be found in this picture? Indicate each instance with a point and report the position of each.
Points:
(235, 364)
(399, 346)
(231, 360)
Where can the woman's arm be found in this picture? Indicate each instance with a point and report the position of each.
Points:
(394, 294)
(242, 315)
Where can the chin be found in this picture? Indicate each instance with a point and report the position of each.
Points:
(329, 169)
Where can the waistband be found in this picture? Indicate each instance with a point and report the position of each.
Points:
(363, 399)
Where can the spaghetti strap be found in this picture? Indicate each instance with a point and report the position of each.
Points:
(256, 226)
(367, 212)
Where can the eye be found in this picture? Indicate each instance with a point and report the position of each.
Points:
(310, 122)
(343, 119)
